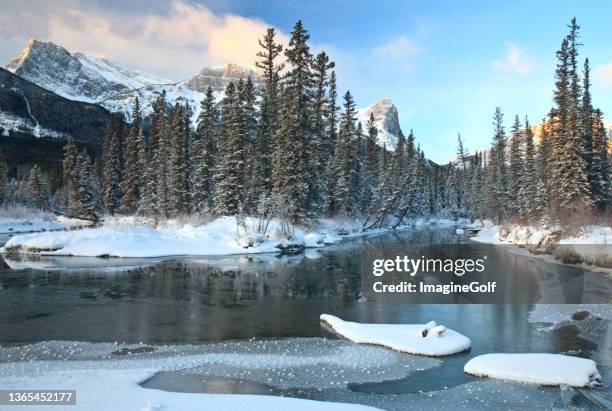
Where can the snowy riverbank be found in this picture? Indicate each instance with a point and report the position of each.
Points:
(592, 246)
(140, 237)
(21, 219)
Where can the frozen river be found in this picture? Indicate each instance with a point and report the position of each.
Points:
(255, 318)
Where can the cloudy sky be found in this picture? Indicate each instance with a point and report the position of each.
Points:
(445, 64)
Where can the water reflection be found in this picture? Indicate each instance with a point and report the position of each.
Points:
(204, 299)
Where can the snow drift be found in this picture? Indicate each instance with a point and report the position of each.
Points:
(543, 369)
(422, 339)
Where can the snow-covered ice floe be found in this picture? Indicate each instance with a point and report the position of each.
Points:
(543, 369)
(422, 339)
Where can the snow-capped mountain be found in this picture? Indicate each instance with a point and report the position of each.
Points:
(34, 121)
(387, 121)
(219, 77)
(97, 80)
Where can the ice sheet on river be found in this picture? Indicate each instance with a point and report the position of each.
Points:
(288, 363)
(106, 380)
(401, 337)
(536, 368)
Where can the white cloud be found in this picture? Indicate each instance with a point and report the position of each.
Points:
(516, 61)
(603, 75)
(399, 48)
(175, 42)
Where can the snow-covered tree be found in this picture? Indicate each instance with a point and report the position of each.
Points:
(132, 183)
(3, 178)
(37, 188)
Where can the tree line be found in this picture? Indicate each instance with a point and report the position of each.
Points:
(289, 151)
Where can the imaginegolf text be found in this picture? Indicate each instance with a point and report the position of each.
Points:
(406, 287)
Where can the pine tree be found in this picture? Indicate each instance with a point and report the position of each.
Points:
(330, 140)
(248, 134)
(600, 172)
(586, 117)
(85, 187)
(528, 186)
(319, 145)
(342, 168)
(153, 174)
(290, 165)
(516, 165)
(132, 182)
(3, 178)
(545, 162)
(497, 173)
(572, 185)
(228, 188)
(369, 178)
(37, 189)
(204, 146)
(477, 198)
(269, 112)
(69, 177)
(178, 136)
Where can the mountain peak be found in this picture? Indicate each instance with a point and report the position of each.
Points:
(218, 77)
(34, 47)
(386, 119)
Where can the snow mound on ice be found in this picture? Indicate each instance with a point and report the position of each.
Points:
(543, 369)
(401, 337)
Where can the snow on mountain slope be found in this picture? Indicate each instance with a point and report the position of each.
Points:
(76, 76)
(386, 119)
(97, 80)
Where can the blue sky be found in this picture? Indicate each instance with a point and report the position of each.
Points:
(445, 64)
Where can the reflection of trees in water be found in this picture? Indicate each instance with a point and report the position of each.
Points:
(240, 280)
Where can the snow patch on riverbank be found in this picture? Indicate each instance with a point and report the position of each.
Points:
(402, 337)
(26, 225)
(543, 369)
(592, 246)
(140, 237)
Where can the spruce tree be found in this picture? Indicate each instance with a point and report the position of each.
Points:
(600, 173)
(150, 201)
(70, 175)
(528, 189)
(269, 112)
(37, 189)
(290, 165)
(319, 145)
(247, 118)
(572, 191)
(178, 136)
(228, 188)
(85, 187)
(3, 178)
(587, 123)
(516, 165)
(205, 141)
(132, 183)
(497, 172)
(342, 168)
(369, 179)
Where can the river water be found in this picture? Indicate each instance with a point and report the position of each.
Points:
(249, 299)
